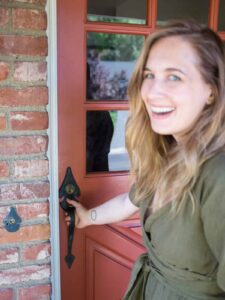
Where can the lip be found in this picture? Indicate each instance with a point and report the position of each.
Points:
(161, 116)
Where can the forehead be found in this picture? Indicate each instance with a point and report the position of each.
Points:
(173, 51)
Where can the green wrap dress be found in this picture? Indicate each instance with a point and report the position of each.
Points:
(185, 256)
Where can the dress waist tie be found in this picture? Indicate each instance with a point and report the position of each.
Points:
(183, 282)
(139, 277)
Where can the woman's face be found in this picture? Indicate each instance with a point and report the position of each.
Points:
(173, 89)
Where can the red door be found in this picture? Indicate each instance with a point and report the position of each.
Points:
(98, 40)
(92, 98)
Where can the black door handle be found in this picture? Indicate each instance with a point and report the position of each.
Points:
(69, 190)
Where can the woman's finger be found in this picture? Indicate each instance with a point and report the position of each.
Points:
(72, 202)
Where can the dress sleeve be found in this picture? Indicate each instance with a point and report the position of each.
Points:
(213, 212)
(132, 195)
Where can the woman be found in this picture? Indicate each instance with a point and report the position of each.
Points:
(176, 142)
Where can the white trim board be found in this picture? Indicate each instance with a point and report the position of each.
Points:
(51, 9)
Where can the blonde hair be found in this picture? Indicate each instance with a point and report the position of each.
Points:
(160, 165)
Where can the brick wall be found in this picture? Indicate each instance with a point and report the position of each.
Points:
(25, 254)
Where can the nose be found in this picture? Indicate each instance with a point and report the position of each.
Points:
(155, 87)
(153, 90)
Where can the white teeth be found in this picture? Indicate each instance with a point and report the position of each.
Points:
(161, 109)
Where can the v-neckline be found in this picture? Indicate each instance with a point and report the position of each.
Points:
(147, 221)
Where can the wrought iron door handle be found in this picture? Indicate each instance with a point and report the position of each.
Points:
(69, 190)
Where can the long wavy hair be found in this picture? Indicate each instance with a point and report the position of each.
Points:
(161, 166)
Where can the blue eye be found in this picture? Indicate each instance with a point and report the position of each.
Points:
(174, 78)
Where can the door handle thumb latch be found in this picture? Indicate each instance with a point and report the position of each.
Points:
(69, 190)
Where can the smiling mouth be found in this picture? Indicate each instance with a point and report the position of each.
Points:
(162, 110)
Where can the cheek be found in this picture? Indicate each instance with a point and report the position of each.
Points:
(143, 93)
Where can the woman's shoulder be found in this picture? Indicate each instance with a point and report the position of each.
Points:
(211, 181)
(215, 165)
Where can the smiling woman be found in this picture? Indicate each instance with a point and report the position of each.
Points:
(176, 141)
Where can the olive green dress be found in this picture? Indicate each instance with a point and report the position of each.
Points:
(185, 256)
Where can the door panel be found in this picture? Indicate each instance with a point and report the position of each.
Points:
(104, 254)
(107, 265)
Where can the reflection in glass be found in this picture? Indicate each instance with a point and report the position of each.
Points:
(221, 24)
(129, 11)
(105, 144)
(177, 9)
(110, 62)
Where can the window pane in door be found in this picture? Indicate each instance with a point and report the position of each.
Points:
(177, 9)
(221, 24)
(105, 141)
(117, 11)
(110, 62)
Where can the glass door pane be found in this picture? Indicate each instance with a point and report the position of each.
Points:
(105, 144)
(117, 11)
(177, 9)
(110, 62)
(221, 24)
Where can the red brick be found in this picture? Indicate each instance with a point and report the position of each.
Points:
(23, 97)
(24, 191)
(33, 211)
(24, 274)
(29, 120)
(4, 210)
(9, 256)
(30, 168)
(4, 169)
(29, 19)
(4, 16)
(36, 252)
(27, 212)
(30, 71)
(23, 145)
(23, 45)
(40, 292)
(2, 122)
(25, 234)
(6, 294)
(4, 70)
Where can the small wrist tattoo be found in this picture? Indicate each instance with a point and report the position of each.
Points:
(93, 215)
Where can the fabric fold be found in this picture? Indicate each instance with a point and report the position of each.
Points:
(139, 276)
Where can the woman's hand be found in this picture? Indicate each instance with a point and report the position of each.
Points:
(115, 210)
(81, 215)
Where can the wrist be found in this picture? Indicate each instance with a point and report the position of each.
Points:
(92, 213)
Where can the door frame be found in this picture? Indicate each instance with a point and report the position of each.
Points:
(53, 147)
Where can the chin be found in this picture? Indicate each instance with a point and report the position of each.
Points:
(162, 132)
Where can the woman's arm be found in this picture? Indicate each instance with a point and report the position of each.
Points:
(117, 209)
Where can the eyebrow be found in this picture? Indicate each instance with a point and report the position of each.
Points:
(168, 70)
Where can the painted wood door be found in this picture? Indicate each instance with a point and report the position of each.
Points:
(104, 254)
